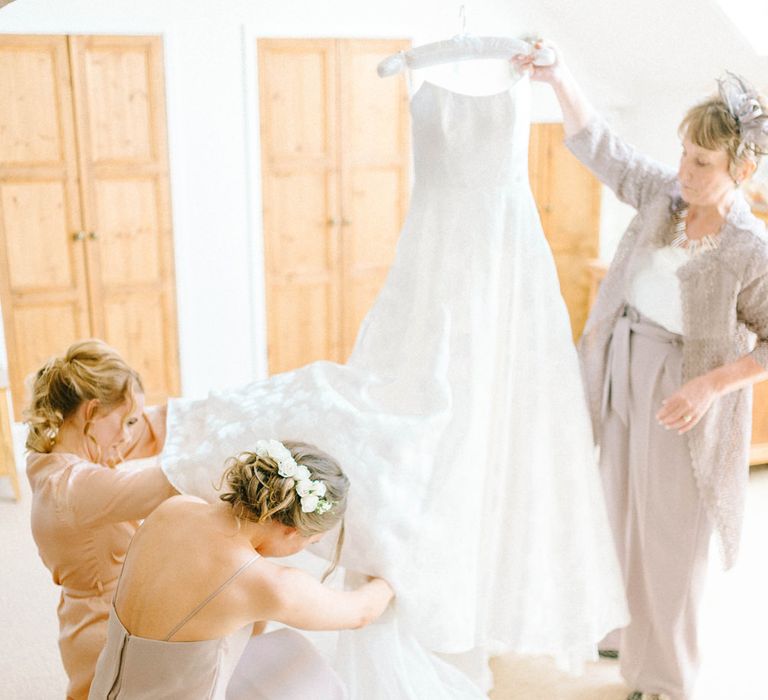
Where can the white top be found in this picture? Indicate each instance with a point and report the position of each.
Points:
(655, 288)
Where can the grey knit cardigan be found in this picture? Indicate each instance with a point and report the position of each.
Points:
(725, 316)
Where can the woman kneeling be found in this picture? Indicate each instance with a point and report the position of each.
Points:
(196, 579)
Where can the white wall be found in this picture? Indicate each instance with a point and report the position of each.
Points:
(213, 127)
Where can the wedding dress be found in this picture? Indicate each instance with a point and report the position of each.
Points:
(460, 419)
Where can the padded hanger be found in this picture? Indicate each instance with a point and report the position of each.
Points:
(463, 47)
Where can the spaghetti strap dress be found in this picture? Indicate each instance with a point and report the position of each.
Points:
(280, 665)
(137, 668)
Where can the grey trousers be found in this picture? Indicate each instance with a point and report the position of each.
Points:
(661, 530)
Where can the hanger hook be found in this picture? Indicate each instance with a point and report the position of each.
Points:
(462, 20)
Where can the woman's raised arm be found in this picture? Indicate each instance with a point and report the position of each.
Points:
(577, 110)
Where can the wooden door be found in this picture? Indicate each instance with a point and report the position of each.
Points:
(300, 192)
(334, 171)
(42, 270)
(760, 424)
(120, 116)
(760, 409)
(374, 138)
(568, 198)
(85, 228)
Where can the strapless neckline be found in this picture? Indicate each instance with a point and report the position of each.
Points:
(426, 84)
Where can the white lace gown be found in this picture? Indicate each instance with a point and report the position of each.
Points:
(460, 419)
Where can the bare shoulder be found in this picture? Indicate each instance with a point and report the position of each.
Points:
(176, 507)
(274, 585)
(182, 502)
(267, 575)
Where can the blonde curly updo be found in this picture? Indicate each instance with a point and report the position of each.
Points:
(89, 369)
(257, 492)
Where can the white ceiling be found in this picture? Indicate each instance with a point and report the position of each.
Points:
(631, 49)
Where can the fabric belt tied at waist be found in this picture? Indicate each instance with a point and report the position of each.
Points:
(616, 384)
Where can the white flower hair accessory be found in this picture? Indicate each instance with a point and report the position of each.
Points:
(311, 492)
(743, 103)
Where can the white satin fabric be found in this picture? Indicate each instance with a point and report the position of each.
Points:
(460, 419)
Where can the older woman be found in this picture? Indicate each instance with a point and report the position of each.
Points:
(677, 337)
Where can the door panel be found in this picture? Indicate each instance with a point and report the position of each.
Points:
(127, 211)
(335, 159)
(297, 88)
(301, 258)
(43, 330)
(35, 130)
(375, 160)
(42, 270)
(568, 199)
(38, 245)
(308, 304)
(116, 100)
(120, 115)
(302, 204)
(135, 323)
(760, 408)
(297, 82)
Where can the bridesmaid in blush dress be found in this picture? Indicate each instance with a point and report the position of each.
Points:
(87, 415)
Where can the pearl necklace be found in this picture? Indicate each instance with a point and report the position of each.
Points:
(681, 240)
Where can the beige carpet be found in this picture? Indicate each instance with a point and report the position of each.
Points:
(519, 678)
(30, 668)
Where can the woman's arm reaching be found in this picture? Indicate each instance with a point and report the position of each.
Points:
(295, 598)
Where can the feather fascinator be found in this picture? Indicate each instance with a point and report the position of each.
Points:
(746, 107)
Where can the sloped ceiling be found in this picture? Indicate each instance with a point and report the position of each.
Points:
(625, 50)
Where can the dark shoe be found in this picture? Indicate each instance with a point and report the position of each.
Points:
(608, 653)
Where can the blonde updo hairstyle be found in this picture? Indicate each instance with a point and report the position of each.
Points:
(88, 370)
(258, 493)
(711, 125)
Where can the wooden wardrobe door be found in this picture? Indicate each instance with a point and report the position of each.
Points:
(374, 129)
(760, 425)
(42, 275)
(120, 116)
(302, 218)
(760, 408)
(568, 199)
